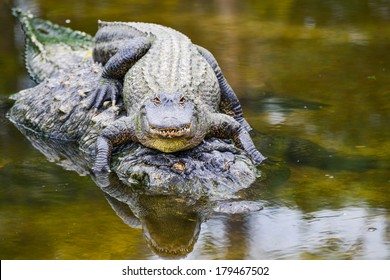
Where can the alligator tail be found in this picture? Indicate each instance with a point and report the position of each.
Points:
(46, 43)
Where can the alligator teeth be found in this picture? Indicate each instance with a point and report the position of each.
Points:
(170, 132)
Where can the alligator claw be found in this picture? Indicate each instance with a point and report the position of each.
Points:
(109, 89)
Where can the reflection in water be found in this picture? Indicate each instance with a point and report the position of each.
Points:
(346, 233)
(170, 225)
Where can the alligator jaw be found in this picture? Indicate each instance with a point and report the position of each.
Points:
(171, 132)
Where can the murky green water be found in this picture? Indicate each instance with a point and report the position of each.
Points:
(313, 77)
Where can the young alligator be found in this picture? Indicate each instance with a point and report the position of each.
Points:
(174, 92)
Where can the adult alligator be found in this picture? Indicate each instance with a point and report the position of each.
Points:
(174, 92)
(168, 95)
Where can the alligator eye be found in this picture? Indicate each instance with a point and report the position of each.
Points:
(157, 100)
(182, 100)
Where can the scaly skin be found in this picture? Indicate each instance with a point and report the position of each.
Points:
(174, 92)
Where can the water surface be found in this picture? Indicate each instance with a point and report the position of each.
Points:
(313, 80)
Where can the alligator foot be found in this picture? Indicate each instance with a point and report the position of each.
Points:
(225, 126)
(109, 89)
(101, 165)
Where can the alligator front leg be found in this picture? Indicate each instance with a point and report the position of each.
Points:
(111, 81)
(230, 104)
(119, 132)
(224, 126)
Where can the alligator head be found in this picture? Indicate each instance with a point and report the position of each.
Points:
(169, 122)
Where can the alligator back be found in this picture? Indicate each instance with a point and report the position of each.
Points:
(173, 64)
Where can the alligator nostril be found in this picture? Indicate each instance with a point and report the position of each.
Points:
(156, 100)
(170, 119)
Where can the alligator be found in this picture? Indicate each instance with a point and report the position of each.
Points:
(174, 92)
(169, 139)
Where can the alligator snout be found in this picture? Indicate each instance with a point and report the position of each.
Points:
(168, 115)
